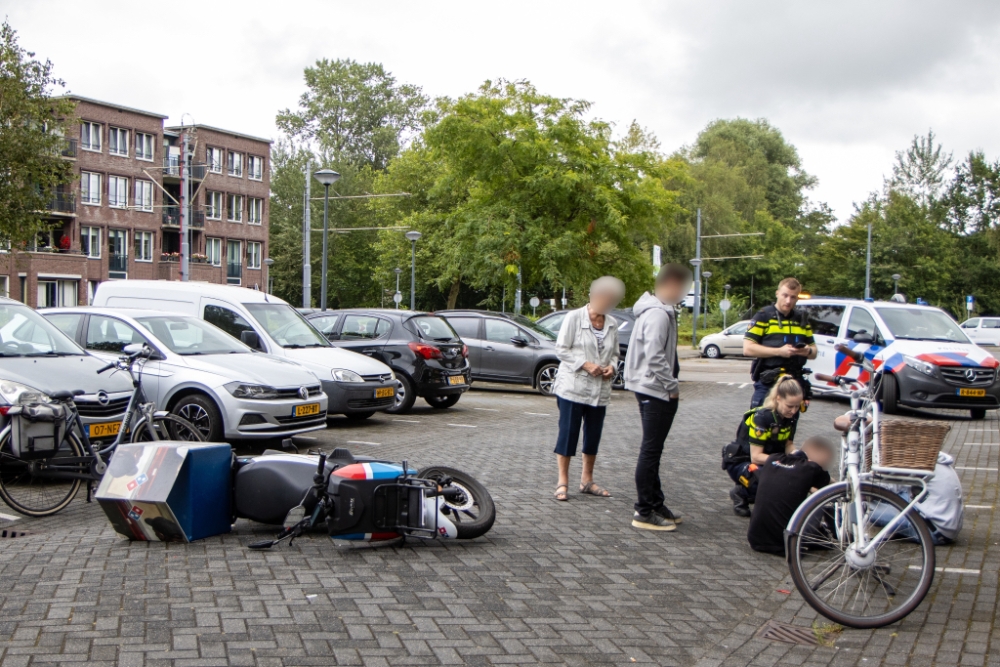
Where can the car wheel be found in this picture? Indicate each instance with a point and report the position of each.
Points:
(619, 380)
(202, 413)
(359, 416)
(545, 379)
(405, 395)
(713, 352)
(890, 394)
(978, 413)
(442, 402)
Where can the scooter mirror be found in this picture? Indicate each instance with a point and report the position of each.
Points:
(294, 516)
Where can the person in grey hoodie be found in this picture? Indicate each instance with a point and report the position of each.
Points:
(651, 372)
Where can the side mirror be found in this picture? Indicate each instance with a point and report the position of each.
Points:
(133, 348)
(250, 339)
(520, 342)
(863, 337)
(333, 336)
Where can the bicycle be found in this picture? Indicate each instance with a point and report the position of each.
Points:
(41, 483)
(848, 561)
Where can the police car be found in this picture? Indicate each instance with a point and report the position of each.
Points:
(928, 360)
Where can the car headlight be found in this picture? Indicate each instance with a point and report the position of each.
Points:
(258, 391)
(16, 393)
(919, 365)
(344, 375)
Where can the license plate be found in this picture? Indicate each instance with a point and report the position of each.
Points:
(456, 379)
(107, 430)
(972, 392)
(307, 409)
(385, 392)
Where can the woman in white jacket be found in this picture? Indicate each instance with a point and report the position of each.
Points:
(588, 353)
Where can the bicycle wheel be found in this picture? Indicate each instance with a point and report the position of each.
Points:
(858, 591)
(26, 488)
(167, 427)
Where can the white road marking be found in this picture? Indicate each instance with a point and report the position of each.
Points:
(980, 444)
(462, 425)
(975, 468)
(9, 517)
(363, 442)
(538, 414)
(982, 429)
(487, 409)
(948, 570)
(979, 507)
(743, 385)
(408, 421)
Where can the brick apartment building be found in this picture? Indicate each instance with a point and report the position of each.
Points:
(120, 218)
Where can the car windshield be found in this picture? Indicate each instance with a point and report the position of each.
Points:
(432, 328)
(285, 325)
(190, 335)
(534, 328)
(921, 324)
(25, 333)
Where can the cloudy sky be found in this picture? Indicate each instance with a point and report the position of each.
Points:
(848, 83)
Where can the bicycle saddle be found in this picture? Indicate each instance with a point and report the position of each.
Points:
(66, 394)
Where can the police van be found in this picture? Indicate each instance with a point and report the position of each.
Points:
(927, 360)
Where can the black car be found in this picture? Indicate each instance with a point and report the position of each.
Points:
(426, 355)
(626, 322)
(507, 348)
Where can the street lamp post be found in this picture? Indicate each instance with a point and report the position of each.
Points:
(707, 274)
(726, 287)
(397, 297)
(895, 280)
(868, 263)
(326, 177)
(269, 281)
(695, 310)
(413, 237)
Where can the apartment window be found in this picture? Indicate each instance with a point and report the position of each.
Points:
(117, 141)
(213, 250)
(234, 164)
(233, 262)
(144, 146)
(57, 293)
(90, 136)
(213, 156)
(255, 167)
(143, 246)
(255, 211)
(213, 205)
(253, 254)
(90, 242)
(144, 195)
(234, 208)
(118, 254)
(117, 192)
(90, 187)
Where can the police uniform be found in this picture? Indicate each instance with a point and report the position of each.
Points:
(762, 427)
(772, 329)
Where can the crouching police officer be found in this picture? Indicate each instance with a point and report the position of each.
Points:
(780, 340)
(765, 430)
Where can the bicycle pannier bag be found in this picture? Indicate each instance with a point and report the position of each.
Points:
(36, 429)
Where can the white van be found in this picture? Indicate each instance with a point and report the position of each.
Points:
(356, 385)
(983, 330)
(929, 362)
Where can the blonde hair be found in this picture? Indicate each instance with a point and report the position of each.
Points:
(786, 387)
(791, 283)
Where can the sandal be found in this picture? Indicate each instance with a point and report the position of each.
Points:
(590, 488)
(562, 496)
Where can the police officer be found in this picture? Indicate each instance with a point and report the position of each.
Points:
(780, 340)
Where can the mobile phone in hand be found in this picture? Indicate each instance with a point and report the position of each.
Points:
(799, 346)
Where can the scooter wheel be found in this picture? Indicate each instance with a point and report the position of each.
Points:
(472, 515)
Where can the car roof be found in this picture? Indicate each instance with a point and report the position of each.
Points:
(476, 312)
(118, 311)
(200, 288)
(825, 300)
(378, 311)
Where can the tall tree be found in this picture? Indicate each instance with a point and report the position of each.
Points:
(973, 198)
(921, 171)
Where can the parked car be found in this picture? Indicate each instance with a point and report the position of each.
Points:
(200, 373)
(928, 360)
(423, 351)
(626, 321)
(506, 348)
(355, 385)
(983, 330)
(38, 359)
(729, 341)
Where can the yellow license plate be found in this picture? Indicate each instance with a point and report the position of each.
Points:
(307, 409)
(107, 430)
(385, 392)
(972, 392)
(456, 379)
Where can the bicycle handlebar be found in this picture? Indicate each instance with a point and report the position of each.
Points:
(853, 354)
(823, 377)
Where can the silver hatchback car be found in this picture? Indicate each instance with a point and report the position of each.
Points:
(202, 374)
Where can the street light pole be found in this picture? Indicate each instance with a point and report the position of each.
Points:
(413, 237)
(326, 177)
(707, 274)
(307, 242)
(895, 280)
(726, 287)
(268, 281)
(397, 297)
(696, 263)
(868, 263)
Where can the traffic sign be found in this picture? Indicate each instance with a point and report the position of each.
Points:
(724, 305)
(535, 302)
(397, 297)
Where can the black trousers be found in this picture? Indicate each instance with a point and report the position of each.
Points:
(657, 418)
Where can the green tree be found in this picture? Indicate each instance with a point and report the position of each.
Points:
(921, 170)
(32, 134)
(973, 198)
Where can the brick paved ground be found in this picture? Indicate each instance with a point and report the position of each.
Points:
(569, 583)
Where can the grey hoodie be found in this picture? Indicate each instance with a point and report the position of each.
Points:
(649, 364)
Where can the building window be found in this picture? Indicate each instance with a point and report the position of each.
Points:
(117, 254)
(90, 136)
(213, 205)
(253, 254)
(144, 195)
(117, 192)
(255, 211)
(144, 246)
(5, 286)
(234, 208)
(117, 141)
(255, 167)
(57, 293)
(144, 146)
(213, 156)
(213, 251)
(234, 269)
(90, 242)
(234, 165)
(90, 188)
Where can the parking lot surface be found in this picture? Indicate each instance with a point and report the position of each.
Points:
(552, 583)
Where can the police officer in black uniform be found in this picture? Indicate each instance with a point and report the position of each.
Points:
(780, 340)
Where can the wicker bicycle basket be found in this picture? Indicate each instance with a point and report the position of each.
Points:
(910, 445)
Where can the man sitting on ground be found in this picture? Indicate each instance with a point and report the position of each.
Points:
(942, 509)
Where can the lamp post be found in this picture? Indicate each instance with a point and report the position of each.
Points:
(725, 312)
(397, 297)
(269, 281)
(695, 310)
(868, 263)
(413, 237)
(895, 280)
(707, 274)
(326, 177)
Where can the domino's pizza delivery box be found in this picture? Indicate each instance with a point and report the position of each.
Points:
(168, 491)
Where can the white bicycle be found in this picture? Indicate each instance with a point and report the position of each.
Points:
(860, 554)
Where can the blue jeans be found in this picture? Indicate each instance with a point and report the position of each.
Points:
(572, 416)
(883, 513)
(759, 394)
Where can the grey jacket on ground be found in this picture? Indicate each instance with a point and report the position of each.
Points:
(577, 345)
(652, 350)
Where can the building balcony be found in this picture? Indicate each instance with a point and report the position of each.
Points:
(172, 218)
(70, 149)
(63, 203)
(172, 169)
(117, 266)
